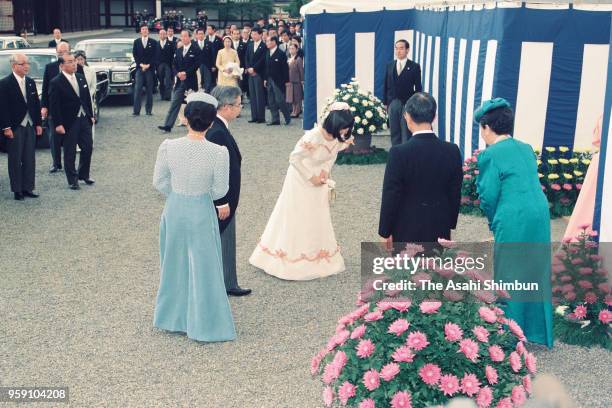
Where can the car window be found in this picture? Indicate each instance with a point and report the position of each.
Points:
(10, 44)
(2, 44)
(37, 64)
(22, 44)
(97, 51)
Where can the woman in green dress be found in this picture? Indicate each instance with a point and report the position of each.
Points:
(512, 199)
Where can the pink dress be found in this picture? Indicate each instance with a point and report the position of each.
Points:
(585, 205)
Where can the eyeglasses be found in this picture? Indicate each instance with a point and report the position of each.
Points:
(237, 105)
(23, 63)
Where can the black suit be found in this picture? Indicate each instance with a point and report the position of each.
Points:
(277, 75)
(52, 70)
(21, 148)
(256, 59)
(398, 89)
(65, 106)
(205, 63)
(164, 68)
(189, 65)
(53, 43)
(421, 190)
(221, 135)
(147, 56)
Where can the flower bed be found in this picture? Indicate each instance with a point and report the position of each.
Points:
(581, 293)
(561, 173)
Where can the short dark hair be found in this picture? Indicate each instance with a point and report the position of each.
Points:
(500, 120)
(406, 43)
(213, 27)
(200, 30)
(62, 58)
(257, 30)
(421, 107)
(247, 25)
(273, 38)
(200, 115)
(144, 25)
(338, 120)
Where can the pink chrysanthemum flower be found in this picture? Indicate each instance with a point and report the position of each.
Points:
(518, 395)
(401, 306)
(331, 372)
(530, 362)
(401, 399)
(358, 332)
(515, 361)
(430, 374)
(345, 392)
(487, 314)
(481, 334)
(365, 348)
(417, 341)
(328, 396)
(389, 371)
(399, 326)
(452, 332)
(469, 348)
(373, 316)
(367, 403)
(449, 384)
(520, 348)
(505, 403)
(605, 317)
(516, 330)
(580, 312)
(491, 374)
(484, 397)
(527, 383)
(470, 384)
(403, 355)
(496, 353)
(371, 380)
(430, 306)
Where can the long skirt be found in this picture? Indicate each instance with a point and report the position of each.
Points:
(192, 297)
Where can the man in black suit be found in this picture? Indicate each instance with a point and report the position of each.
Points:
(228, 108)
(20, 122)
(70, 105)
(402, 80)
(145, 51)
(52, 70)
(184, 66)
(164, 65)
(255, 64)
(243, 45)
(205, 61)
(57, 38)
(171, 37)
(213, 44)
(422, 184)
(277, 77)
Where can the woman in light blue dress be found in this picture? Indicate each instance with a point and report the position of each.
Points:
(192, 172)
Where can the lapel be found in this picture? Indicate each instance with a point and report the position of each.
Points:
(69, 85)
(230, 138)
(17, 89)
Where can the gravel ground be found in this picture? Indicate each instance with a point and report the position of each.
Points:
(79, 273)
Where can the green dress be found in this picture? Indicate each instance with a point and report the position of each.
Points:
(511, 197)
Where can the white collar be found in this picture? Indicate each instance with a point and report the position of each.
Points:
(144, 39)
(256, 44)
(186, 48)
(403, 61)
(170, 38)
(69, 76)
(211, 38)
(225, 122)
(419, 132)
(273, 50)
(18, 77)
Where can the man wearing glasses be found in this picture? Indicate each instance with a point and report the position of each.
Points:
(20, 122)
(229, 105)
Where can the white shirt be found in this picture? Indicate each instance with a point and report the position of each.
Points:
(401, 64)
(418, 132)
(171, 38)
(162, 43)
(27, 120)
(256, 45)
(75, 85)
(273, 50)
(201, 44)
(144, 41)
(186, 49)
(236, 44)
(211, 38)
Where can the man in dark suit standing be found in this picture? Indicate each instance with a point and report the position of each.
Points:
(52, 70)
(277, 77)
(57, 38)
(205, 61)
(228, 108)
(243, 45)
(402, 80)
(171, 37)
(184, 66)
(213, 44)
(145, 51)
(70, 105)
(20, 122)
(422, 184)
(255, 64)
(164, 66)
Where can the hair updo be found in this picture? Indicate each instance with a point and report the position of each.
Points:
(499, 120)
(338, 120)
(200, 115)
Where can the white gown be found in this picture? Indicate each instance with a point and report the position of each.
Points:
(299, 241)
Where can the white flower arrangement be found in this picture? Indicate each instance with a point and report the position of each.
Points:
(368, 110)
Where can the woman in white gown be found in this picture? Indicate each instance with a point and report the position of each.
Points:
(298, 242)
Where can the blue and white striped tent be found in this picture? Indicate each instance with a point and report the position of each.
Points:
(549, 61)
(552, 61)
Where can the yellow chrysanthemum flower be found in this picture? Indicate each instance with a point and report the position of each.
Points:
(563, 149)
(573, 161)
(563, 161)
(568, 176)
(552, 161)
(550, 149)
(578, 173)
(540, 175)
(586, 161)
(553, 176)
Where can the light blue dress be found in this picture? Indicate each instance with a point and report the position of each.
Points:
(192, 297)
(512, 199)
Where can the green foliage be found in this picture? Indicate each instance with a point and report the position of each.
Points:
(294, 7)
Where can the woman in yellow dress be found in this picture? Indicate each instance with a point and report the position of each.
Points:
(228, 65)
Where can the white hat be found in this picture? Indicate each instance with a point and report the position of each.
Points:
(200, 96)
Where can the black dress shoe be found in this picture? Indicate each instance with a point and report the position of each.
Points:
(29, 194)
(75, 186)
(238, 291)
(273, 124)
(261, 121)
(19, 197)
(287, 121)
(54, 169)
(89, 181)
(253, 121)
(149, 113)
(165, 128)
(135, 114)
